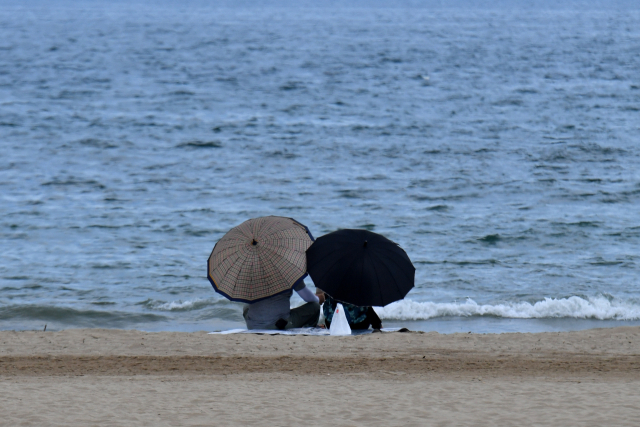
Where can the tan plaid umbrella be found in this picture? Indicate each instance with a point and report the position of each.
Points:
(259, 258)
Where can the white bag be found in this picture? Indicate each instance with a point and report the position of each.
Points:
(339, 323)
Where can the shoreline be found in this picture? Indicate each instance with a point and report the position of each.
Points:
(125, 377)
(110, 351)
(443, 325)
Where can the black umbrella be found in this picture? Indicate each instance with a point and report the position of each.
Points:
(360, 267)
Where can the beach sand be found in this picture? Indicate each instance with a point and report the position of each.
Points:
(116, 377)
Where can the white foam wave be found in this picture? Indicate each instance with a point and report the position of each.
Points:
(600, 308)
(181, 305)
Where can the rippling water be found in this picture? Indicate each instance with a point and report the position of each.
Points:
(498, 146)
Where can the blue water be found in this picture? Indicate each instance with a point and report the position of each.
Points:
(498, 144)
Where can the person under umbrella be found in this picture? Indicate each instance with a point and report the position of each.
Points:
(362, 269)
(260, 263)
(358, 317)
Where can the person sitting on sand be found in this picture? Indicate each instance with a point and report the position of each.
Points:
(358, 317)
(275, 312)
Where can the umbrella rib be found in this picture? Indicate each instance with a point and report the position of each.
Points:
(392, 260)
(388, 249)
(229, 244)
(271, 233)
(275, 225)
(260, 266)
(247, 266)
(225, 245)
(328, 254)
(375, 268)
(292, 245)
(395, 282)
(364, 259)
(397, 255)
(239, 259)
(234, 239)
(344, 239)
(327, 270)
(273, 265)
(353, 261)
(275, 253)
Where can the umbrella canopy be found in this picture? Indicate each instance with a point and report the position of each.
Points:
(360, 267)
(259, 258)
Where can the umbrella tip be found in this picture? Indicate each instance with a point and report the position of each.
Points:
(365, 244)
(254, 242)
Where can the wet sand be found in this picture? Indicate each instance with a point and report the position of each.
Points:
(116, 377)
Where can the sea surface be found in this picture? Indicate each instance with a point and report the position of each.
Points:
(497, 142)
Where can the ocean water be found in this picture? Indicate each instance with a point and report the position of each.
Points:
(497, 143)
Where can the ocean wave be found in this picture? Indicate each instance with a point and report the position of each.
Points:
(74, 316)
(198, 309)
(179, 305)
(599, 307)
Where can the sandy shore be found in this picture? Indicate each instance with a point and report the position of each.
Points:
(115, 377)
